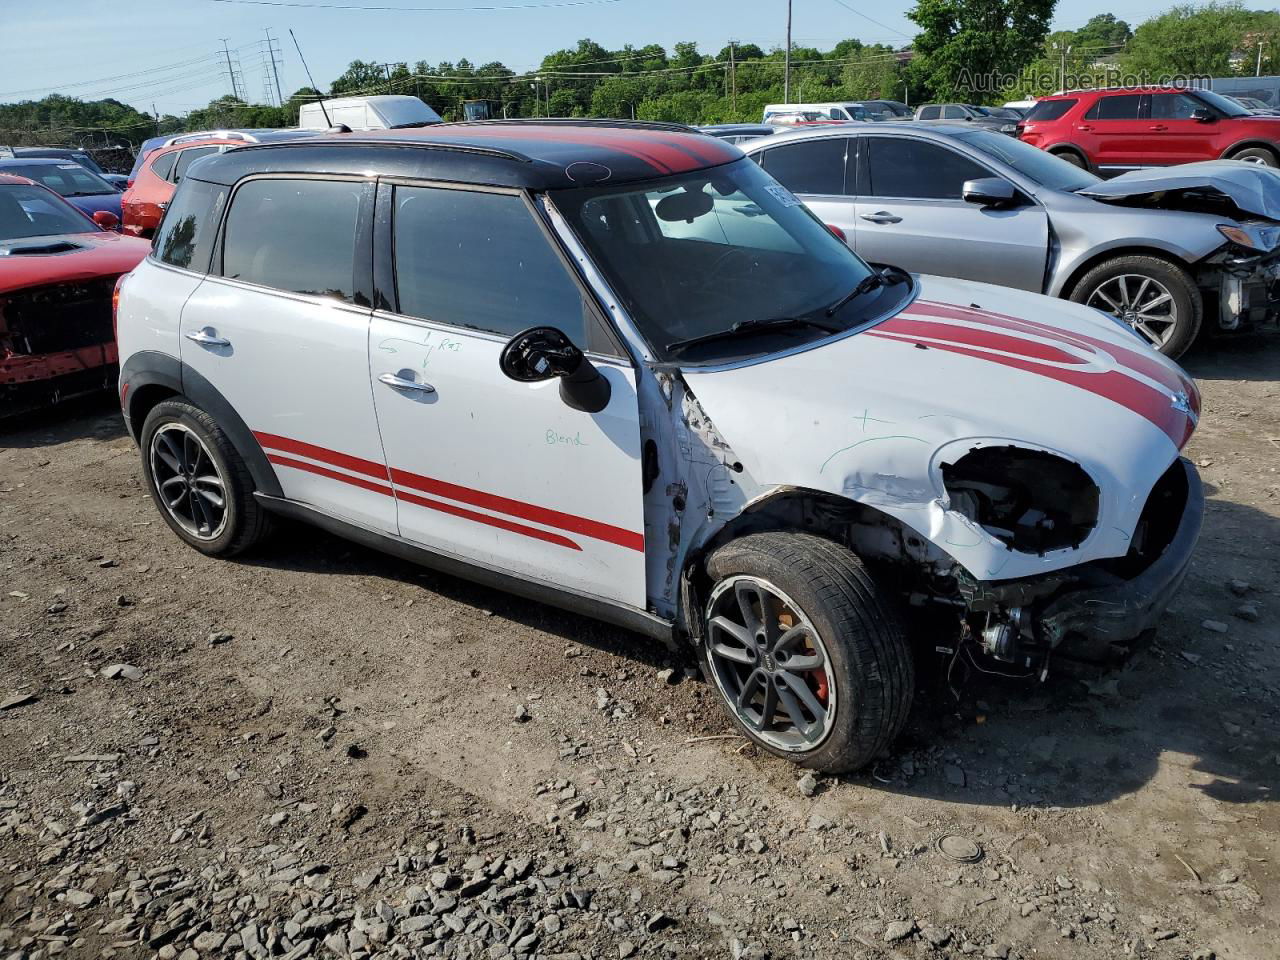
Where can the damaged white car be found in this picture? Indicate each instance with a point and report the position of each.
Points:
(619, 368)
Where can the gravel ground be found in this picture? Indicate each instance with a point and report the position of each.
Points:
(321, 752)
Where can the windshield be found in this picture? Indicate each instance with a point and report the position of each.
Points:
(67, 179)
(1219, 102)
(27, 211)
(721, 250)
(1033, 163)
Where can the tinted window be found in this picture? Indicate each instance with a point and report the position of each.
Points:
(1049, 110)
(953, 113)
(1227, 108)
(1173, 106)
(930, 113)
(915, 169)
(1115, 108)
(163, 167)
(480, 260)
(1044, 168)
(816, 166)
(186, 233)
(186, 157)
(296, 235)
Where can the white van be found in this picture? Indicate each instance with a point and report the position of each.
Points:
(367, 113)
(825, 111)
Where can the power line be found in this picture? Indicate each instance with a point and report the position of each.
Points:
(859, 13)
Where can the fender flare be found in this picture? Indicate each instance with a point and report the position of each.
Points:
(152, 368)
(1246, 142)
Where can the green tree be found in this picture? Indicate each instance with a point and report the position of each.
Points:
(966, 47)
(1200, 40)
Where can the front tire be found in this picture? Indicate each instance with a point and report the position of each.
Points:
(1259, 155)
(807, 654)
(199, 481)
(1072, 157)
(1155, 297)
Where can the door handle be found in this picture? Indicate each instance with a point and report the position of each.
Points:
(1084, 128)
(881, 216)
(208, 337)
(400, 383)
(1158, 126)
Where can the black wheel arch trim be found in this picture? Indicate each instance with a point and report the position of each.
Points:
(152, 368)
(1066, 147)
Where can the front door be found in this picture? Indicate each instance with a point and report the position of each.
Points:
(912, 214)
(496, 472)
(1114, 134)
(1174, 136)
(276, 329)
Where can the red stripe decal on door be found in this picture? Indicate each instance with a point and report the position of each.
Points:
(478, 498)
(516, 508)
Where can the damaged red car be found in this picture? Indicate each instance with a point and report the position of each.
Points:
(58, 271)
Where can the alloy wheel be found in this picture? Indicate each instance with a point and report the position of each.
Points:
(1142, 302)
(188, 482)
(770, 664)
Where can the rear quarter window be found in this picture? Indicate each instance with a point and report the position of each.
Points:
(1047, 110)
(185, 236)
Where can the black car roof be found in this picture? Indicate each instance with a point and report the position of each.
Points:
(537, 155)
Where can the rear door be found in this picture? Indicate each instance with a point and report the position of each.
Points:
(496, 472)
(816, 171)
(1115, 134)
(1174, 137)
(911, 213)
(280, 329)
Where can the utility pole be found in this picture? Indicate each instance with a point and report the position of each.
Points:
(1258, 71)
(786, 72)
(275, 69)
(733, 78)
(235, 91)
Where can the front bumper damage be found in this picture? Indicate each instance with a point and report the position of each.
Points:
(1099, 605)
(1248, 290)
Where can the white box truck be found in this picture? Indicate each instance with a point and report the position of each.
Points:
(367, 113)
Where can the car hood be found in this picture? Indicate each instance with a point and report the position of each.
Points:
(36, 261)
(873, 416)
(1253, 190)
(98, 201)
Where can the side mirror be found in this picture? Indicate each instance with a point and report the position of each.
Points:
(106, 219)
(989, 192)
(541, 353)
(1203, 115)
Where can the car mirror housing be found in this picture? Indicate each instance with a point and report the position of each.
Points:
(1203, 115)
(541, 353)
(989, 192)
(106, 219)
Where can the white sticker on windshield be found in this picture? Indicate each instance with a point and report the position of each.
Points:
(68, 166)
(783, 195)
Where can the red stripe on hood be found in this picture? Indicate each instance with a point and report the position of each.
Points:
(907, 326)
(1134, 395)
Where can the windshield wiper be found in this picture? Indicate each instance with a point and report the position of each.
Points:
(743, 327)
(872, 281)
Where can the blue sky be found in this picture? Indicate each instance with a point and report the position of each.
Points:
(168, 52)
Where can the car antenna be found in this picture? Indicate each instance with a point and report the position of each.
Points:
(311, 80)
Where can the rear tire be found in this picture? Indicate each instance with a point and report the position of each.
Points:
(1156, 298)
(199, 481)
(1259, 155)
(1073, 158)
(846, 670)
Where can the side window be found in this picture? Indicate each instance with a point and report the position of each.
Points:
(1049, 110)
(186, 233)
(814, 166)
(294, 235)
(473, 259)
(837, 114)
(914, 169)
(1173, 106)
(1124, 107)
(163, 167)
(953, 113)
(930, 113)
(185, 159)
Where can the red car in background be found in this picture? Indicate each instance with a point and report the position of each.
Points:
(1113, 131)
(58, 271)
(148, 194)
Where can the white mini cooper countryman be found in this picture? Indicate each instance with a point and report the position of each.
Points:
(617, 367)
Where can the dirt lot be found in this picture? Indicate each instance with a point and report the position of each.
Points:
(319, 751)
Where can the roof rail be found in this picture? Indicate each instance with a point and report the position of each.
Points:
(350, 139)
(211, 134)
(576, 122)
